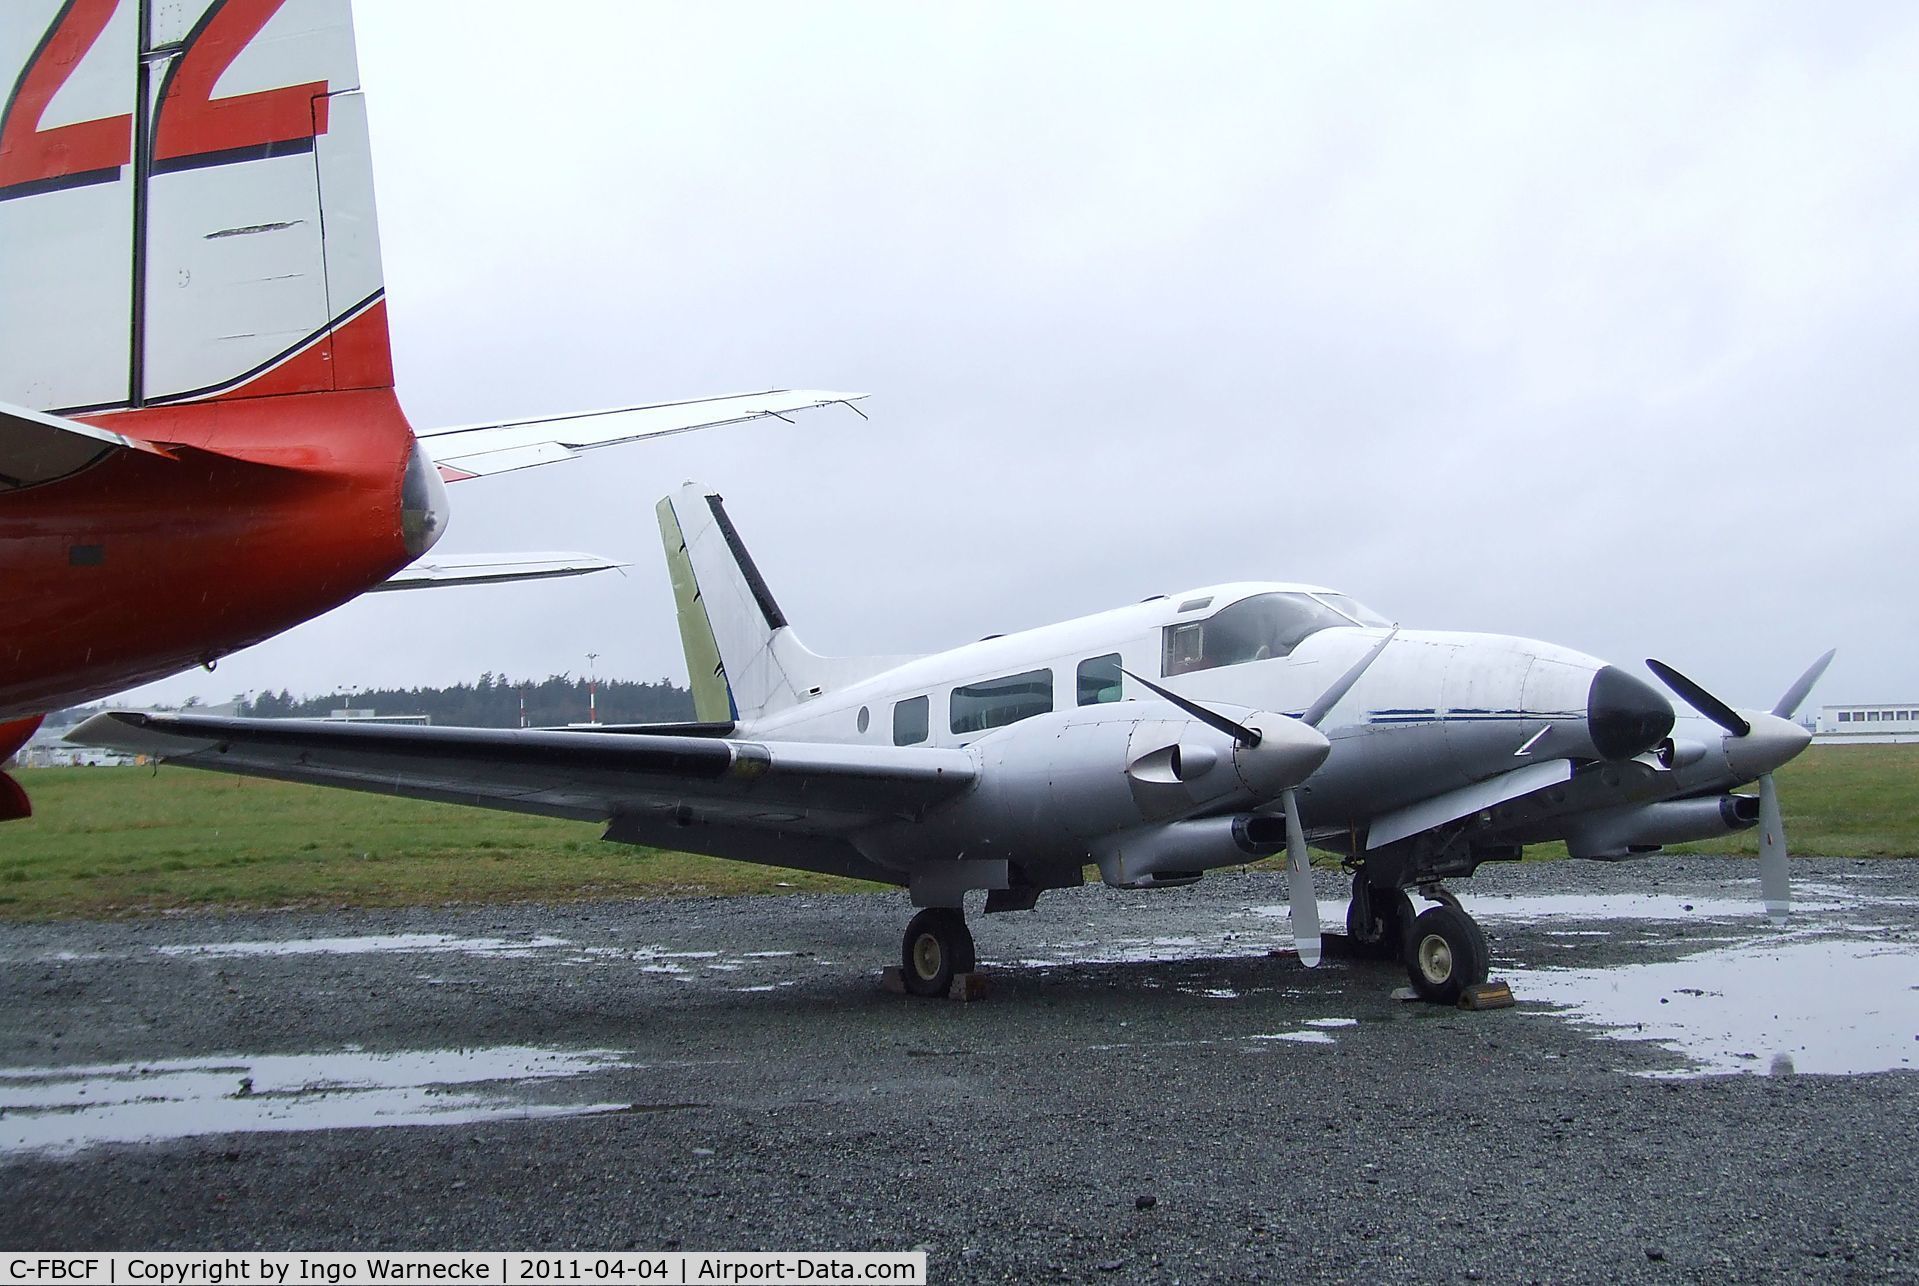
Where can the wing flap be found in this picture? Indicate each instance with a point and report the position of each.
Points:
(481, 450)
(803, 787)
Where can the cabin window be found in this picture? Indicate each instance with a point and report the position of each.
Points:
(910, 721)
(1099, 679)
(1253, 629)
(998, 702)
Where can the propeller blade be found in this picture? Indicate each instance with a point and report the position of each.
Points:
(1789, 704)
(1775, 883)
(1247, 737)
(1299, 877)
(1700, 699)
(1331, 696)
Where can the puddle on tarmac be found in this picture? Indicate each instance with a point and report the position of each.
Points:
(369, 945)
(1298, 1037)
(60, 1110)
(544, 947)
(1794, 1004)
(1574, 907)
(1149, 950)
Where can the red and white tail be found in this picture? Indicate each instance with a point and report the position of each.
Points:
(186, 204)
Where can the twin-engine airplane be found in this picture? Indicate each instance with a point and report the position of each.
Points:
(1277, 716)
(200, 444)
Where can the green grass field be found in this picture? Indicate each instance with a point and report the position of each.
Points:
(108, 841)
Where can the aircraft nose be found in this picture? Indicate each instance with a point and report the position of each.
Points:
(1625, 716)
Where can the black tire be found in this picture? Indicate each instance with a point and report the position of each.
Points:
(1446, 953)
(937, 945)
(1384, 938)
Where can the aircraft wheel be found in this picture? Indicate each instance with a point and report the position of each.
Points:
(937, 945)
(1376, 921)
(1446, 953)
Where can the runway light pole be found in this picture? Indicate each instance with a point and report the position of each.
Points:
(592, 689)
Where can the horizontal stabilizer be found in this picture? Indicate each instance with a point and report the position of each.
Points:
(479, 450)
(36, 447)
(437, 570)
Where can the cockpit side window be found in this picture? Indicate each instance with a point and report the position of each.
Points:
(1347, 605)
(1253, 629)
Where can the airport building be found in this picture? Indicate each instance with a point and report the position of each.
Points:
(1890, 723)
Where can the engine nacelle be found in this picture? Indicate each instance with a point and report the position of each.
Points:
(1051, 785)
(1178, 852)
(1631, 832)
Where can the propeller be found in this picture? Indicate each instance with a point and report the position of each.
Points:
(1239, 732)
(1796, 694)
(1299, 864)
(1763, 744)
(1700, 699)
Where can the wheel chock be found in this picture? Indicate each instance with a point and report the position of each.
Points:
(1487, 995)
(966, 986)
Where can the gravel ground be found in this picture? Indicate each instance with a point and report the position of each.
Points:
(1147, 1093)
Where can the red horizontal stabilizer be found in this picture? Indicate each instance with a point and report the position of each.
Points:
(17, 734)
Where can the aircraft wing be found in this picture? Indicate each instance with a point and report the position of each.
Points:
(479, 450)
(436, 570)
(779, 803)
(1466, 800)
(36, 447)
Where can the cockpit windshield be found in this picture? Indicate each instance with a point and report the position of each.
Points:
(1257, 628)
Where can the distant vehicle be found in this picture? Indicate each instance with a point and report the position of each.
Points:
(200, 445)
(1278, 716)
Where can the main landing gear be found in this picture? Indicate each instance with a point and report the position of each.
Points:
(1444, 948)
(937, 945)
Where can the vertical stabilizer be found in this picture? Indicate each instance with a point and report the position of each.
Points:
(712, 700)
(731, 626)
(186, 204)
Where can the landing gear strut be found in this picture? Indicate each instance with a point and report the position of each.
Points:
(1377, 919)
(937, 945)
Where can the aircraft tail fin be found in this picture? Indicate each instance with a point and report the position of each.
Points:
(186, 205)
(742, 658)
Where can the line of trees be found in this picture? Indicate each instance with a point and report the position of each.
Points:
(494, 702)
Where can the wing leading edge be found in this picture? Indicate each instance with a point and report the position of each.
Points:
(756, 799)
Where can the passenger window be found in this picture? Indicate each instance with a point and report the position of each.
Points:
(1099, 679)
(910, 721)
(998, 702)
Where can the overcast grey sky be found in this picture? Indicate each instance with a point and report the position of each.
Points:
(1591, 323)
